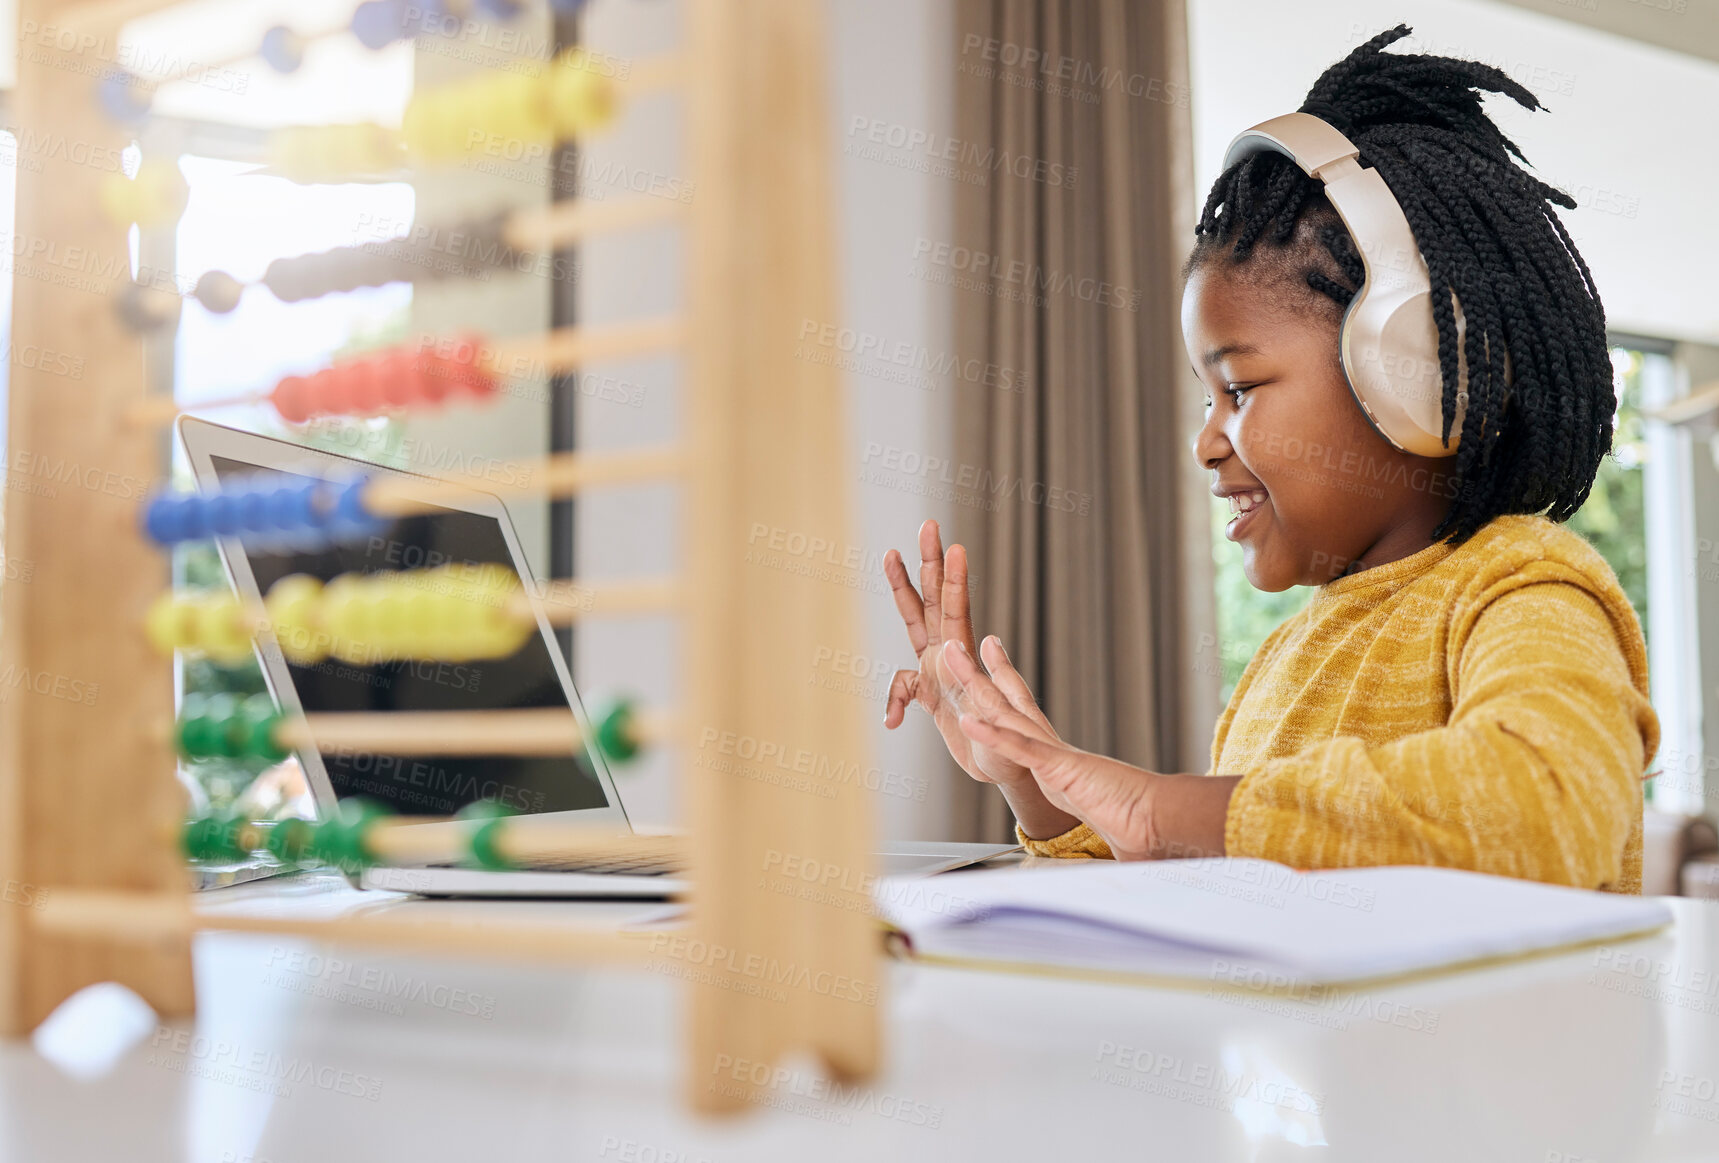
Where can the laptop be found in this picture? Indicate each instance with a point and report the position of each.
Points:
(576, 787)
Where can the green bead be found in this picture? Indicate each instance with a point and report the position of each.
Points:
(195, 837)
(200, 736)
(614, 739)
(290, 840)
(483, 850)
(343, 840)
(206, 728)
(254, 730)
(223, 712)
(215, 839)
(483, 810)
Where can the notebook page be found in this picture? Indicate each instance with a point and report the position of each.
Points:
(1337, 925)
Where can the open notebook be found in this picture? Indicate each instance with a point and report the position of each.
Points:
(1249, 922)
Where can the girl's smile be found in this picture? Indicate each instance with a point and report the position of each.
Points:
(1246, 503)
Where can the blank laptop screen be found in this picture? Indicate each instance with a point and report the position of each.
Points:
(430, 785)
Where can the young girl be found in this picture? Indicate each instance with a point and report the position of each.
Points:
(1467, 686)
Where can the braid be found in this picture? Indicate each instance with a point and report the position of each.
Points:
(1486, 228)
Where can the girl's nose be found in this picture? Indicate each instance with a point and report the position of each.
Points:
(1210, 445)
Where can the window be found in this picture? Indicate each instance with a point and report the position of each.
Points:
(1638, 515)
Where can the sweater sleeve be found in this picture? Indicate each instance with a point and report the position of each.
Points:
(1078, 843)
(1536, 774)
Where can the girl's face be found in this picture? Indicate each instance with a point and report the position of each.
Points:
(1282, 429)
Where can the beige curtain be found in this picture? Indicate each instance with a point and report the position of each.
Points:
(1090, 535)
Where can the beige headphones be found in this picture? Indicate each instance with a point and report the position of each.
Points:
(1388, 340)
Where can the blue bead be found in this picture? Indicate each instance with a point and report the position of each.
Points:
(122, 98)
(283, 508)
(161, 519)
(223, 514)
(432, 18)
(320, 502)
(379, 23)
(193, 518)
(350, 513)
(282, 49)
(254, 510)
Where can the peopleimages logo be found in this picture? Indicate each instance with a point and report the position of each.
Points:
(969, 269)
(969, 159)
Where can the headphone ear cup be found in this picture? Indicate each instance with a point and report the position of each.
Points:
(1390, 352)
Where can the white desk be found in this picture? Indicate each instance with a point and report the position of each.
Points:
(1558, 1060)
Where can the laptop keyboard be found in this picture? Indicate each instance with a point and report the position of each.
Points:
(623, 866)
(661, 863)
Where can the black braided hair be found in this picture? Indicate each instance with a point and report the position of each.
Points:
(1484, 227)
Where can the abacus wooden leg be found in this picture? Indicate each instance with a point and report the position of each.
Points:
(765, 446)
(85, 789)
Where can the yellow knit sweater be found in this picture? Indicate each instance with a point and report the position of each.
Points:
(1483, 707)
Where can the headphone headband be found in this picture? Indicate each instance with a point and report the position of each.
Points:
(1388, 340)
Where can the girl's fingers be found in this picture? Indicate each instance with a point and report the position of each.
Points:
(931, 580)
(979, 695)
(957, 612)
(902, 690)
(907, 602)
(1026, 750)
(1010, 682)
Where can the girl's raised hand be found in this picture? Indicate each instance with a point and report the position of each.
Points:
(945, 615)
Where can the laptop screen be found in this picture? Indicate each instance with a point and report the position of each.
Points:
(430, 785)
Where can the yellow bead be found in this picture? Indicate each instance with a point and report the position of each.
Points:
(349, 613)
(394, 627)
(166, 625)
(295, 615)
(222, 630)
(334, 153)
(156, 197)
(419, 623)
(580, 99)
(421, 127)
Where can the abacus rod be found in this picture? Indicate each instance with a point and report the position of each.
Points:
(570, 348)
(535, 731)
(564, 223)
(559, 475)
(549, 731)
(566, 602)
(561, 350)
(156, 411)
(401, 841)
(147, 917)
(235, 57)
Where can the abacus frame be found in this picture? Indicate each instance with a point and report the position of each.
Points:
(88, 800)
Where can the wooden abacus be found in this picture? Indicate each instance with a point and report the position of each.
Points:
(88, 802)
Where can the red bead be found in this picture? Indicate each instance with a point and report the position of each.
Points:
(459, 370)
(292, 399)
(365, 379)
(399, 379)
(431, 376)
(330, 392)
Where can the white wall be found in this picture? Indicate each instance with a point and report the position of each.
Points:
(891, 60)
(1621, 130)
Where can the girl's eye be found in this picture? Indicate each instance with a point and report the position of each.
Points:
(1234, 392)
